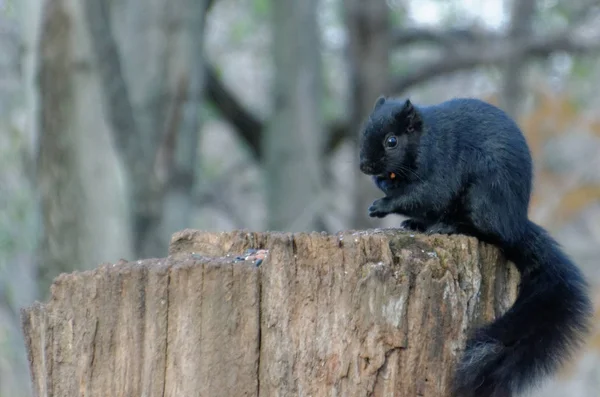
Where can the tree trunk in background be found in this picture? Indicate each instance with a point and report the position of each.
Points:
(352, 314)
(30, 12)
(368, 29)
(522, 13)
(81, 190)
(185, 94)
(152, 55)
(19, 214)
(153, 79)
(293, 142)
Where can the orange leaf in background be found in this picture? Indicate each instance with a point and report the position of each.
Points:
(595, 127)
(575, 201)
(553, 115)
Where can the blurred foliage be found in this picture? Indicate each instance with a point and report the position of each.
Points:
(7, 7)
(261, 8)
(555, 116)
(583, 68)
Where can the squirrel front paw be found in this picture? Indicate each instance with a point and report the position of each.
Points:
(380, 208)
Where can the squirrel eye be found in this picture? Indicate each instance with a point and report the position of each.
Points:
(391, 142)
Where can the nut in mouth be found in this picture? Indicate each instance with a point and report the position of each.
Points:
(387, 175)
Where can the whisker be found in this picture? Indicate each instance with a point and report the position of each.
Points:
(404, 168)
(405, 171)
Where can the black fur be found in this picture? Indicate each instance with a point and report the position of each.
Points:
(463, 166)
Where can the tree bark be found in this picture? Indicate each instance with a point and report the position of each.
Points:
(294, 140)
(354, 314)
(369, 39)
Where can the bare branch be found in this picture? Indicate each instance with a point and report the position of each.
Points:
(249, 127)
(584, 11)
(116, 100)
(337, 132)
(492, 53)
(165, 153)
(246, 124)
(481, 52)
(445, 37)
(471, 47)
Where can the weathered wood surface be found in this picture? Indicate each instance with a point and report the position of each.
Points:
(376, 313)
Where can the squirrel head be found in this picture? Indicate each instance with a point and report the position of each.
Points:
(389, 138)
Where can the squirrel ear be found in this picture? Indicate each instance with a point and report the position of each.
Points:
(408, 109)
(408, 114)
(380, 101)
(404, 112)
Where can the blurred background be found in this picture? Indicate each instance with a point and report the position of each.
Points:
(123, 121)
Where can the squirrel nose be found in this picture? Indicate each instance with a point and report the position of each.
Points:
(365, 167)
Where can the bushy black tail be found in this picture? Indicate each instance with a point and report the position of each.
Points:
(546, 323)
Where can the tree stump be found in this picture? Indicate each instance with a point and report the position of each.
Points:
(369, 313)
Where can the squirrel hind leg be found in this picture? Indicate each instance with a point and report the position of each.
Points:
(442, 228)
(413, 224)
(496, 210)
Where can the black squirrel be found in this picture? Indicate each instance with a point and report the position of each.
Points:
(463, 167)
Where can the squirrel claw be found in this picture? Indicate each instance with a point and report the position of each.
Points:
(377, 209)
